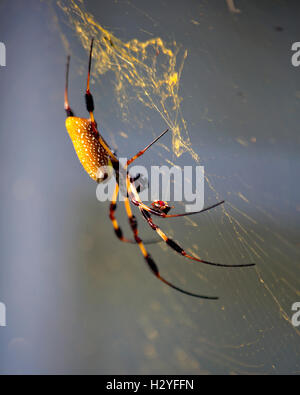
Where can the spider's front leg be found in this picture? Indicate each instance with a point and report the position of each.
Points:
(177, 248)
(150, 262)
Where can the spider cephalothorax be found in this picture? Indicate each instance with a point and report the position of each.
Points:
(161, 206)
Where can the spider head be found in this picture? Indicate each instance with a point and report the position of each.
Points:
(161, 206)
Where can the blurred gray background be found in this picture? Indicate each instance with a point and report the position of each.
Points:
(78, 301)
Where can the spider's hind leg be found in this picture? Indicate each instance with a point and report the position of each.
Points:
(142, 184)
(177, 248)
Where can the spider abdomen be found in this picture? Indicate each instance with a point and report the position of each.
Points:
(89, 150)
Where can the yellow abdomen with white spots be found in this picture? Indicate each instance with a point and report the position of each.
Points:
(90, 152)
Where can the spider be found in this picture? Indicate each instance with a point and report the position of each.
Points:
(99, 161)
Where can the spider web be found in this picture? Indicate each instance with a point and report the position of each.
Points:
(250, 330)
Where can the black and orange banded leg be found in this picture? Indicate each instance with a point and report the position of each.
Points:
(145, 210)
(176, 247)
(143, 206)
(150, 262)
(131, 193)
(68, 109)
(89, 101)
(113, 205)
(117, 229)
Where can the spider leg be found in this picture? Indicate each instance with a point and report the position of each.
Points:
(137, 201)
(144, 206)
(112, 209)
(90, 108)
(176, 247)
(194, 212)
(134, 197)
(89, 100)
(163, 215)
(117, 229)
(67, 107)
(140, 153)
(151, 264)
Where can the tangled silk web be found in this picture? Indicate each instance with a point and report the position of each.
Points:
(135, 66)
(152, 71)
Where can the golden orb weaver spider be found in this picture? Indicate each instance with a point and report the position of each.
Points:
(95, 155)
